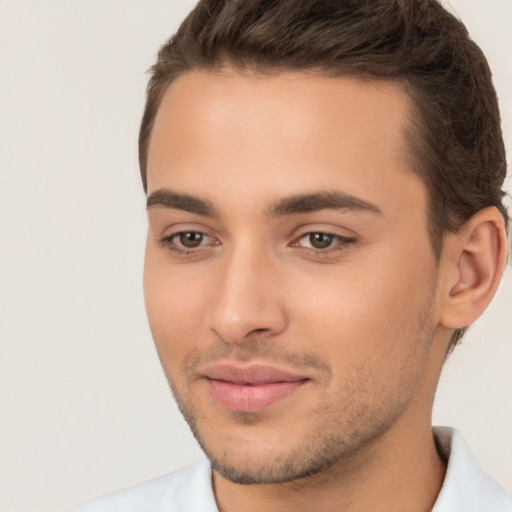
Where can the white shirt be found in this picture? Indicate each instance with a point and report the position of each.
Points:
(466, 488)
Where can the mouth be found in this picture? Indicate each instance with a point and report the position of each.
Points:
(250, 388)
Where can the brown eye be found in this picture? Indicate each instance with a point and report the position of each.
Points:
(190, 239)
(324, 243)
(189, 243)
(320, 240)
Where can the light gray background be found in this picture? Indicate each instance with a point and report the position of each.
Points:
(84, 407)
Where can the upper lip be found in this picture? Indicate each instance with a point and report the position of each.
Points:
(253, 374)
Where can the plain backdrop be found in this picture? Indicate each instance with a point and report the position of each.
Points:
(84, 406)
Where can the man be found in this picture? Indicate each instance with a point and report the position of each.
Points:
(323, 186)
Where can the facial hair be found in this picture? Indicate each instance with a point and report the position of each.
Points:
(342, 428)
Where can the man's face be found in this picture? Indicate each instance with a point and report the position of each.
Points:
(289, 277)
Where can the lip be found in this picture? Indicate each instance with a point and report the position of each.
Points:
(250, 388)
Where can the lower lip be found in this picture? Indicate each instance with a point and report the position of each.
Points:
(243, 398)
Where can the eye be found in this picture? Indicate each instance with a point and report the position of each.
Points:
(187, 241)
(318, 240)
(321, 241)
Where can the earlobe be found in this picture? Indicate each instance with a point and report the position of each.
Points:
(477, 256)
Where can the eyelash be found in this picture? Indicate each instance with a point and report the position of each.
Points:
(340, 243)
(169, 243)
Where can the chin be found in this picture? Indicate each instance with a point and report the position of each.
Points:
(265, 456)
(251, 470)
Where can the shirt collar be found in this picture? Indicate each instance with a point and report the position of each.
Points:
(466, 487)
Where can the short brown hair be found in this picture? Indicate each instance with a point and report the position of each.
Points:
(456, 141)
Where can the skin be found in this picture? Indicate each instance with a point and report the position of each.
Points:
(367, 318)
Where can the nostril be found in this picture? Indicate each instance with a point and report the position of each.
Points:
(258, 331)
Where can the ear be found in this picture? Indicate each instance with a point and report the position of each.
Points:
(474, 261)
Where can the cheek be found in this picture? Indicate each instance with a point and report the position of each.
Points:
(366, 310)
(372, 337)
(175, 309)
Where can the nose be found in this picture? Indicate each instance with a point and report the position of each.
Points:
(248, 301)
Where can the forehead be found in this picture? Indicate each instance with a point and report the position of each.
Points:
(284, 133)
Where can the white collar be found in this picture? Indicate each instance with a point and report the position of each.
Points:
(466, 487)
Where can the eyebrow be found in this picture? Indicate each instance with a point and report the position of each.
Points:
(164, 198)
(331, 200)
(291, 205)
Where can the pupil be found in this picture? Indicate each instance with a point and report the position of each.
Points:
(191, 239)
(320, 240)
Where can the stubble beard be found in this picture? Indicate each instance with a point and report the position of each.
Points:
(319, 453)
(337, 439)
